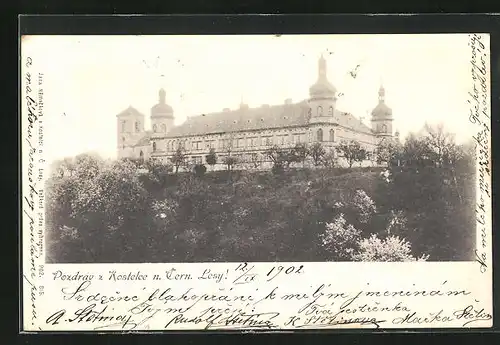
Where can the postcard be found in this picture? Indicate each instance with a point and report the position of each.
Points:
(256, 182)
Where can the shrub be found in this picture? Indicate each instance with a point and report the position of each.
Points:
(199, 170)
(340, 238)
(277, 169)
(392, 248)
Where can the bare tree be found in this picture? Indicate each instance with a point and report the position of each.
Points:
(178, 159)
(317, 152)
(352, 152)
(440, 143)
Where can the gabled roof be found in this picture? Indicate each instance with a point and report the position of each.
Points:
(244, 119)
(130, 111)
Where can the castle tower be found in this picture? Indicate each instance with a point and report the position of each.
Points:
(382, 117)
(130, 128)
(162, 115)
(322, 96)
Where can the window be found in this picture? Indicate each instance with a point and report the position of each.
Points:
(154, 146)
(283, 140)
(137, 127)
(330, 111)
(269, 141)
(319, 135)
(155, 128)
(124, 126)
(141, 154)
(320, 110)
(163, 128)
(241, 143)
(123, 142)
(309, 112)
(332, 135)
(384, 128)
(221, 143)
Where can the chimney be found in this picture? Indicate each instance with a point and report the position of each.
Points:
(288, 101)
(225, 110)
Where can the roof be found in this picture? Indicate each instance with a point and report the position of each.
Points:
(381, 110)
(350, 121)
(322, 88)
(244, 119)
(130, 111)
(162, 110)
(264, 117)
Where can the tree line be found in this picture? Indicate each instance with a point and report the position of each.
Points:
(419, 206)
(280, 158)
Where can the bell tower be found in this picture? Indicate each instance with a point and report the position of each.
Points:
(162, 115)
(130, 128)
(382, 117)
(322, 96)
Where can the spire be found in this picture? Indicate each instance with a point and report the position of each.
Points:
(322, 68)
(162, 94)
(381, 94)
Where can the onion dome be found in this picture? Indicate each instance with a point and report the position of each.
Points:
(322, 88)
(381, 110)
(162, 109)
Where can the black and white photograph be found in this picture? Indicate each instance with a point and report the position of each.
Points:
(263, 182)
(270, 148)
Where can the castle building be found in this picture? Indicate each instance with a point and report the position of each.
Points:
(246, 133)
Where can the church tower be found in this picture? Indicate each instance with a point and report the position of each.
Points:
(162, 115)
(382, 117)
(322, 96)
(130, 128)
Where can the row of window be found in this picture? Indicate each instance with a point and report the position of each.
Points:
(162, 128)
(137, 126)
(319, 111)
(240, 143)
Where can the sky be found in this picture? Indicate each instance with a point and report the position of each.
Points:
(90, 79)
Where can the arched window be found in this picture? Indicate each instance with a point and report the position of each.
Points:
(137, 127)
(384, 128)
(309, 112)
(141, 154)
(155, 128)
(330, 111)
(163, 128)
(124, 125)
(320, 110)
(332, 135)
(123, 142)
(154, 146)
(319, 135)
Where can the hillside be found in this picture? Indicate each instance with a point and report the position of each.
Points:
(114, 213)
